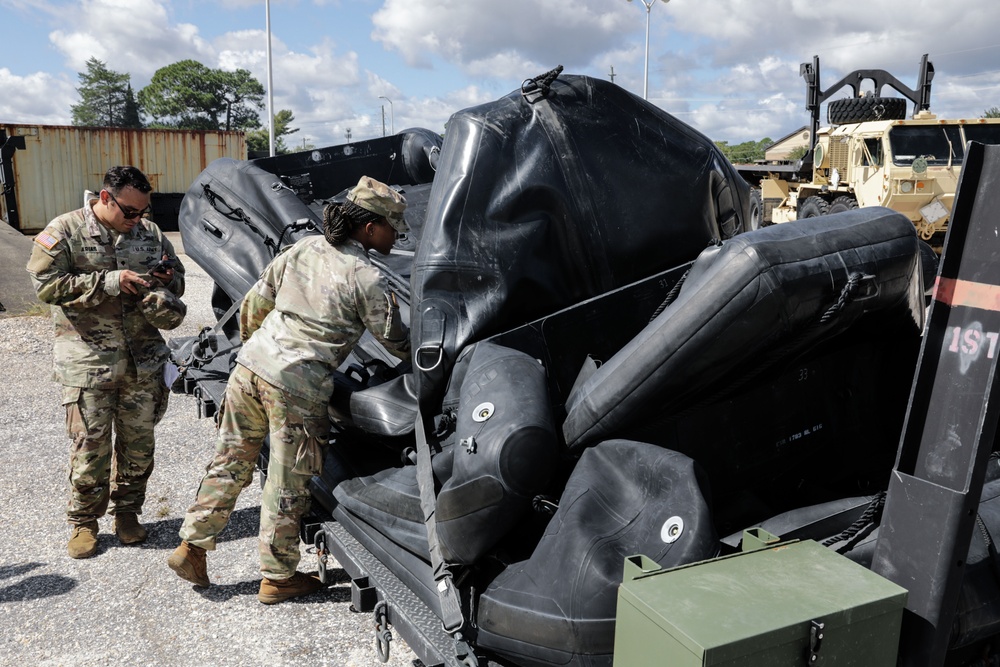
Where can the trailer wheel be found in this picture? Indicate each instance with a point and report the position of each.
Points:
(813, 207)
(861, 109)
(756, 217)
(843, 203)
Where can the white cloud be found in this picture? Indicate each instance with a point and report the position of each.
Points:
(139, 45)
(726, 67)
(474, 35)
(509, 64)
(37, 98)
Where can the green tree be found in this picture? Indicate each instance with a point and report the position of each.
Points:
(258, 140)
(132, 116)
(746, 152)
(106, 98)
(189, 95)
(243, 99)
(797, 153)
(992, 112)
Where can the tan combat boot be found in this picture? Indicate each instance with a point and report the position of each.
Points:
(273, 591)
(188, 561)
(128, 529)
(83, 542)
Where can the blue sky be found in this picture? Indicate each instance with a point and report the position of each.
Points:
(730, 68)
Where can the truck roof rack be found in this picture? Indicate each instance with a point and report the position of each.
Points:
(816, 96)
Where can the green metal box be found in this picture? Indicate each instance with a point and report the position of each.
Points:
(785, 604)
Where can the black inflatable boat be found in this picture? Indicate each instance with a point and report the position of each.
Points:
(606, 364)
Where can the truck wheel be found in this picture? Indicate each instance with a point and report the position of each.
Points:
(813, 207)
(756, 220)
(861, 109)
(841, 204)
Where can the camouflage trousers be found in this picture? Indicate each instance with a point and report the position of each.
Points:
(100, 471)
(251, 410)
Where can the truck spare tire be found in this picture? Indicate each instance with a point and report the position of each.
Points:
(862, 109)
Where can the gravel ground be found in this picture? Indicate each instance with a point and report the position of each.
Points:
(124, 606)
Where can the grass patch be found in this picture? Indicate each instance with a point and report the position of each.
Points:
(35, 309)
(163, 510)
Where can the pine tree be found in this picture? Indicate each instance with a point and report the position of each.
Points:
(106, 98)
(259, 140)
(191, 96)
(131, 116)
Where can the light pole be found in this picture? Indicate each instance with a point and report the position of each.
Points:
(392, 120)
(645, 72)
(270, 81)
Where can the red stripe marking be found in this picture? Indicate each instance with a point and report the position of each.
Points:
(952, 292)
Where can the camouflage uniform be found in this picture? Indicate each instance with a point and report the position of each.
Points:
(299, 322)
(108, 357)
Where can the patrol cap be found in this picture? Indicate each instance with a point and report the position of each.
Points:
(380, 199)
(162, 308)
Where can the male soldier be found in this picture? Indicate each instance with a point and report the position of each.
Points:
(112, 280)
(298, 323)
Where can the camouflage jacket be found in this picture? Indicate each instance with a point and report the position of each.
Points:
(75, 267)
(310, 306)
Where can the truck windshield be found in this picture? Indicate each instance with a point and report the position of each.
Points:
(986, 134)
(936, 143)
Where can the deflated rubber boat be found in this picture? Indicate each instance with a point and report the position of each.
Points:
(605, 364)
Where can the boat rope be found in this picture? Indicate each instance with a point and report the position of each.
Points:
(671, 296)
(991, 547)
(538, 88)
(853, 533)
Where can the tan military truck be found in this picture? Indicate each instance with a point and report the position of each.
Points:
(870, 154)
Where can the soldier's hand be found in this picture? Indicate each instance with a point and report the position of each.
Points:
(167, 274)
(129, 281)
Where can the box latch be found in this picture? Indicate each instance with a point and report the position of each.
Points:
(815, 641)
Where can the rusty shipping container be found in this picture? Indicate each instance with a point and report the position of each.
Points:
(44, 169)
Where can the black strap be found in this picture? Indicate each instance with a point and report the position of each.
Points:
(215, 199)
(198, 351)
(203, 347)
(451, 606)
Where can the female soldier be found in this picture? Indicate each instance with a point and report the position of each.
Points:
(298, 323)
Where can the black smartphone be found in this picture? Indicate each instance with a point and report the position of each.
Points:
(163, 265)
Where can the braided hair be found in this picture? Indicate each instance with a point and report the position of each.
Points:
(341, 219)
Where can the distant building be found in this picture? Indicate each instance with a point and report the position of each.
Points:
(44, 169)
(782, 148)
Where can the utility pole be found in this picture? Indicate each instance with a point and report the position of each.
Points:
(392, 115)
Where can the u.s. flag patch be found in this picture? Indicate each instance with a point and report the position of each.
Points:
(46, 240)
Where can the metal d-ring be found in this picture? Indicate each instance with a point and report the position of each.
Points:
(437, 362)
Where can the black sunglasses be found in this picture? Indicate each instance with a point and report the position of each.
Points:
(128, 212)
